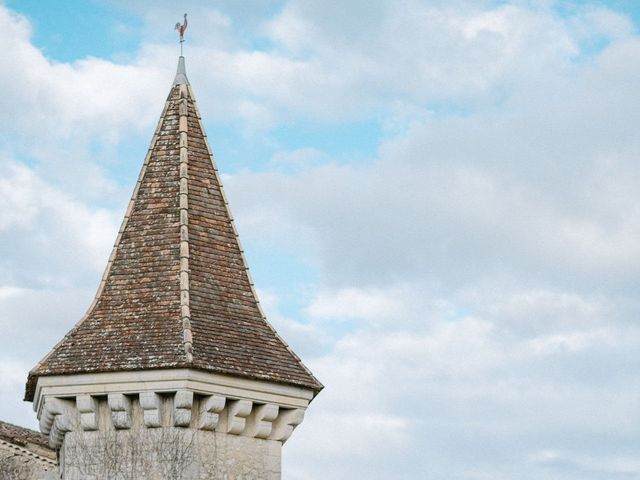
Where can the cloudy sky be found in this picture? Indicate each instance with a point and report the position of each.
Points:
(440, 203)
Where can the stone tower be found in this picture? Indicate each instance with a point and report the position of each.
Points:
(173, 372)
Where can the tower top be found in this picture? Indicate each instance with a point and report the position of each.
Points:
(181, 73)
(176, 292)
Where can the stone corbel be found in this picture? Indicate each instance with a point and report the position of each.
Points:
(210, 408)
(58, 417)
(286, 422)
(259, 423)
(120, 406)
(88, 408)
(182, 404)
(150, 403)
(236, 415)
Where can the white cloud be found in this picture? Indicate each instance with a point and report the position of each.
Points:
(483, 268)
(308, 339)
(7, 292)
(54, 249)
(356, 303)
(570, 342)
(545, 188)
(299, 159)
(12, 378)
(10, 374)
(454, 394)
(54, 228)
(598, 23)
(616, 465)
(91, 98)
(17, 203)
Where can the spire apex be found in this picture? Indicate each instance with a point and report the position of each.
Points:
(181, 74)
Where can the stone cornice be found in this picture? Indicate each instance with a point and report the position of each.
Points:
(168, 398)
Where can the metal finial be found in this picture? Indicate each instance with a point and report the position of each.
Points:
(181, 29)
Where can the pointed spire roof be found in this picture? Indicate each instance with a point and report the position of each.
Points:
(181, 74)
(176, 292)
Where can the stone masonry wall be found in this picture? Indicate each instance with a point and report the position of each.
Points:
(18, 463)
(168, 453)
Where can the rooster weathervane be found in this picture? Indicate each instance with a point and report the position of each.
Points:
(181, 29)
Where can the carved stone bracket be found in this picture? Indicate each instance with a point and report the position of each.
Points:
(88, 410)
(120, 410)
(210, 408)
(182, 405)
(150, 403)
(57, 418)
(237, 415)
(286, 423)
(259, 424)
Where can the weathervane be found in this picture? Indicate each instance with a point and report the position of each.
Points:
(181, 29)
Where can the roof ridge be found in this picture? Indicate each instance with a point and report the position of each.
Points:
(116, 243)
(185, 313)
(235, 232)
(49, 462)
(19, 428)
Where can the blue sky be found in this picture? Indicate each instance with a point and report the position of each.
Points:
(438, 201)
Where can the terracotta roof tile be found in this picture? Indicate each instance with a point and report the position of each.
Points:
(22, 436)
(176, 292)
